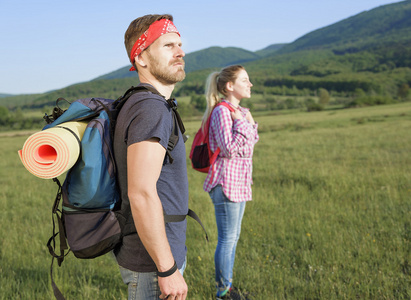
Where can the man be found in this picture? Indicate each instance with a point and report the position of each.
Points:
(150, 184)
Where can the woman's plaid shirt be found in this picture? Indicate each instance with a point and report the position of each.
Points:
(233, 167)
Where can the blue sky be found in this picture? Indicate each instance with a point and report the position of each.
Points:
(50, 44)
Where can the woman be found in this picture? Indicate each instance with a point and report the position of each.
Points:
(229, 179)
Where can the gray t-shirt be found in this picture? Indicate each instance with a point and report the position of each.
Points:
(144, 116)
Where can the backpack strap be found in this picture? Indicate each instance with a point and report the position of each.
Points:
(57, 112)
(130, 228)
(177, 125)
(172, 103)
(213, 156)
(51, 244)
(179, 218)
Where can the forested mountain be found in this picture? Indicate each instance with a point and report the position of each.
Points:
(199, 60)
(370, 52)
(382, 26)
(267, 51)
(376, 40)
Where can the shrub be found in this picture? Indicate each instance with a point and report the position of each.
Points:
(315, 107)
(369, 101)
(290, 103)
(324, 96)
(199, 102)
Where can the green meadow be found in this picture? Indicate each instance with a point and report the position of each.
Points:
(330, 218)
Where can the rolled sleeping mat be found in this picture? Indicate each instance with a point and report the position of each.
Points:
(51, 152)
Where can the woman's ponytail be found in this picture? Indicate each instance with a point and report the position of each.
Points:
(212, 96)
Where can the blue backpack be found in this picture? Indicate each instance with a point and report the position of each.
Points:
(90, 222)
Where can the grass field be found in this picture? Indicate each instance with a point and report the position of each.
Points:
(330, 219)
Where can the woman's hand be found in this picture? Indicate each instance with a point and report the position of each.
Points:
(249, 118)
(237, 115)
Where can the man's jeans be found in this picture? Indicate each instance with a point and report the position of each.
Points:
(228, 216)
(143, 286)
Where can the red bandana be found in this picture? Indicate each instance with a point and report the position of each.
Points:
(156, 29)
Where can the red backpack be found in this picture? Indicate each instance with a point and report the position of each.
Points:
(201, 155)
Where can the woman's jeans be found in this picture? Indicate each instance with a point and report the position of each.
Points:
(143, 286)
(228, 216)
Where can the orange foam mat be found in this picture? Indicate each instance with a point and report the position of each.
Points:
(51, 152)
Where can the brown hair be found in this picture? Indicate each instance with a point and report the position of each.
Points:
(216, 84)
(138, 27)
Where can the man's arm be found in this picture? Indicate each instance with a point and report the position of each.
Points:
(144, 163)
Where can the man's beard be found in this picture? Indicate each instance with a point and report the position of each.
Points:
(162, 74)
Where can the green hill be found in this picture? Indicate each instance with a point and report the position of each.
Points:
(267, 51)
(5, 95)
(206, 58)
(371, 29)
(370, 52)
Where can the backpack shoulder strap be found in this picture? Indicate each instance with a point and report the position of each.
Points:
(172, 103)
(223, 103)
(179, 218)
(213, 155)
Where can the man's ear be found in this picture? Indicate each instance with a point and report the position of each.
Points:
(140, 60)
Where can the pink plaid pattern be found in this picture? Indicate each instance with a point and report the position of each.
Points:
(233, 167)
